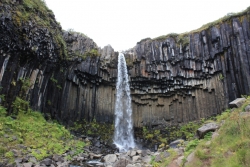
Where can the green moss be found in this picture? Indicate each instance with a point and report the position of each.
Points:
(94, 129)
(32, 130)
(163, 37)
(79, 33)
(53, 80)
(227, 18)
(92, 53)
(37, 11)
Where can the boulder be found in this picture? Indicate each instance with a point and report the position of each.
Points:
(138, 165)
(179, 160)
(110, 158)
(136, 158)
(247, 109)
(58, 158)
(29, 164)
(190, 158)
(175, 143)
(46, 162)
(146, 159)
(237, 103)
(130, 165)
(122, 162)
(132, 153)
(206, 128)
(138, 151)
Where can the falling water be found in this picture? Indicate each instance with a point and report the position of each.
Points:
(123, 137)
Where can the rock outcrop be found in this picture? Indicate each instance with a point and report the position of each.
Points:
(174, 79)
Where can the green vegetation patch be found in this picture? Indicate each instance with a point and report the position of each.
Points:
(185, 131)
(37, 11)
(232, 146)
(35, 135)
(227, 18)
(95, 129)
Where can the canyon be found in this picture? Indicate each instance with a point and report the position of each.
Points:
(174, 79)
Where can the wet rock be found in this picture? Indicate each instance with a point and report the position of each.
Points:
(237, 103)
(206, 128)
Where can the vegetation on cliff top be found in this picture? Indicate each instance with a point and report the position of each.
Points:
(226, 18)
(37, 12)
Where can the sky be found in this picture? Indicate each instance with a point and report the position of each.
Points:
(123, 23)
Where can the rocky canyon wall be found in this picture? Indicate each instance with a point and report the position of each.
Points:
(173, 79)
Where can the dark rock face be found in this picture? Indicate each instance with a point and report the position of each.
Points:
(171, 82)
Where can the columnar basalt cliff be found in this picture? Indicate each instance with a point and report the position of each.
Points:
(174, 79)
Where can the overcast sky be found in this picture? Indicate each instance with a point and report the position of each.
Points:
(122, 23)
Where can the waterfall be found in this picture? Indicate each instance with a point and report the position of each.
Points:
(123, 136)
(4, 67)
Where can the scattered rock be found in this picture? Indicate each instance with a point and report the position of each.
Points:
(46, 162)
(190, 158)
(206, 128)
(208, 143)
(121, 162)
(237, 103)
(132, 153)
(18, 160)
(58, 158)
(32, 159)
(175, 143)
(130, 165)
(247, 109)
(136, 158)
(244, 114)
(146, 159)
(214, 135)
(179, 160)
(29, 164)
(139, 151)
(138, 165)
(179, 151)
(110, 158)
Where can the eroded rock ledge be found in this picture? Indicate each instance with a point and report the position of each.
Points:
(174, 80)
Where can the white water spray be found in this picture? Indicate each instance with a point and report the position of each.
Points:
(123, 137)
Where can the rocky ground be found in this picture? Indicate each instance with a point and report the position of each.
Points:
(101, 154)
